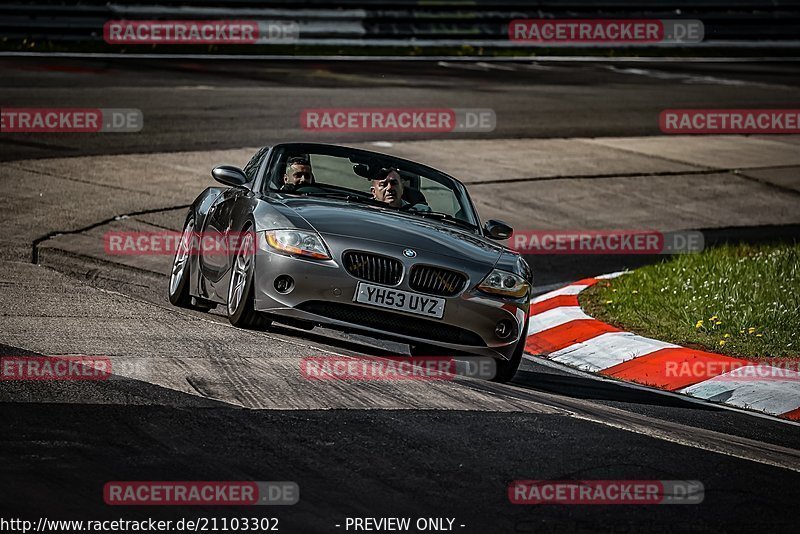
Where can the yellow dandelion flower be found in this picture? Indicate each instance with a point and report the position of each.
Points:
(721, 342)
(713, 318)
(726, 336)
(759, 335)
(699, 324)
(609, 301)
(751, 330)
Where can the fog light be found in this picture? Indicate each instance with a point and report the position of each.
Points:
(284, 283)
(504, 329)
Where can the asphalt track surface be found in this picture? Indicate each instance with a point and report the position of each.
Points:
(381, 450)
(196, 105)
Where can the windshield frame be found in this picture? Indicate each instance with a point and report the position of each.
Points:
(273, 175)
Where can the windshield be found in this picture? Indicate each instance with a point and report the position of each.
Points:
(371, 178)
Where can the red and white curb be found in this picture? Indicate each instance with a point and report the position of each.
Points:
(559, 330)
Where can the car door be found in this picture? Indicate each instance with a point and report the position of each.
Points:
(217, 237)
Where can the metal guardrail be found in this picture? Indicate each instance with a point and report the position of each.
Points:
(364, 23)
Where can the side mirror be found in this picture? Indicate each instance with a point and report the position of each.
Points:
(497, 230)
(229, 175)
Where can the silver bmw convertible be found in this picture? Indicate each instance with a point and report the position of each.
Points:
(355, 240)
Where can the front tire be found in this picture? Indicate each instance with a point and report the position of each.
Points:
(180, 275)
(506, 369)
(240, 291)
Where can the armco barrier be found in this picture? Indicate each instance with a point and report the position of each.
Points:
(477, 23)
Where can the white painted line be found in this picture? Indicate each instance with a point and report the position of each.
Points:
(568, 290)
(693, 79)
(541, 290)
(608, 350)
(463, 66)
(555, 317)
(495, 67)
(774, 395)
(609, 276)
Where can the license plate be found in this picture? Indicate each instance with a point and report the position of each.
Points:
(395, 299)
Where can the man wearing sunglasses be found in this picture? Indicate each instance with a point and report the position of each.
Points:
(387, 186)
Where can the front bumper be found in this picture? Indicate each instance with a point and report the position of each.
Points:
(324, 291)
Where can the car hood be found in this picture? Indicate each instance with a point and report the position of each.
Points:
(365, 222)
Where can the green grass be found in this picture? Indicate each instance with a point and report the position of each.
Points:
(739, 300)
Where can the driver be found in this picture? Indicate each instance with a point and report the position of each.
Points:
(387, 187)
(298, 172)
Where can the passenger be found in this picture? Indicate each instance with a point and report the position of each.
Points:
(387, 186)
(298, 172)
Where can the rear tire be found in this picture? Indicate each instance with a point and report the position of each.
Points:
(240, 290)
(506, 369)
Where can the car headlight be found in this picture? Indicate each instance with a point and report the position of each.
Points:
(298, 242)
(504, 283)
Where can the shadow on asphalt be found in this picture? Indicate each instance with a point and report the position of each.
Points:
(577, 387)
(57, 454)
